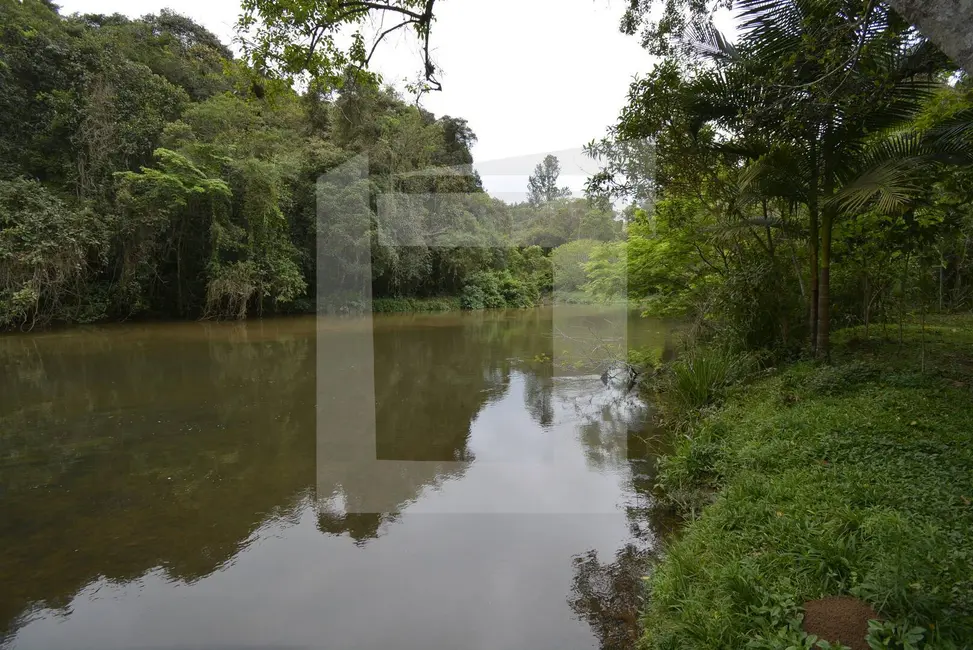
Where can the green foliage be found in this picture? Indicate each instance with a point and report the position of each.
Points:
(517, 292)
(533, 267)
(156, 204)
(823, 481)
(45, 246)
(191, 185)
(661, 263)
(776, 169)
(550, 224)
(607, 272)
(125, 110)
(700, 378)
(497, 290)
(419, 305)
(484, 290)
(884, 635)
(301, 39)
(253, 258)
(568, 261)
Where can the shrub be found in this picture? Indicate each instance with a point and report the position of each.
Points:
(699, 379)
(418, 305)
(517, 292)
(568, 261)
(473, 297)
(45, 246)
(496, 290)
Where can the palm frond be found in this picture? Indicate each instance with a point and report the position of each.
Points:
(771, 27)
(722, 96)
(954, 137)
(921, 58)
(705, 39)
(777, 174)
(890, 187)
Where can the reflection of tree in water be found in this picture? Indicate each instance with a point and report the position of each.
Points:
(608, 596)
(610, 420)
(431, 382)
(648, 521)
(615, 432)
(432, 377)
(605, 437)
(539, 394)
(360, 526)
(128, 449)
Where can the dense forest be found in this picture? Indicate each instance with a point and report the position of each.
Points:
(811, 214)
(146, 172)
(797, 196)
(812, 173)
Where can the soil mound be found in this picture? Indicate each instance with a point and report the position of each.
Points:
(839, 619)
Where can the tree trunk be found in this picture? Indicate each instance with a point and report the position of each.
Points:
(770, 235)
(922, 363)
(902, 291)
(812, 205)
(945, 22)
(793, 249)
(958, 285)
(866, 302)
(823, 349)
(179, 309)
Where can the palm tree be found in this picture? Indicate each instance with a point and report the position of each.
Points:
(816, 99)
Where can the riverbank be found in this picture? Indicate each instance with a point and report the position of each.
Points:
(401, 305)
(849, 480)
(416, 305)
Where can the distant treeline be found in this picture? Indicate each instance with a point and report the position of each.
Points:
(144, 172)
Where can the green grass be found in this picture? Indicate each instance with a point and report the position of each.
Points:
(698, 379)
(395, 305)
(851, 479)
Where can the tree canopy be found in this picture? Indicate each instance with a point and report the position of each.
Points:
(145, 172)
(797, 166)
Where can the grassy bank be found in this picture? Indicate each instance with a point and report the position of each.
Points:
(396, 305)
(854, 479)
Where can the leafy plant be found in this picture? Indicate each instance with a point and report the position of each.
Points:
(700, 378)
(886, 635)
(859, 486)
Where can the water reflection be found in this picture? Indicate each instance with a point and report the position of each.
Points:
(159, 486)
(608, 595)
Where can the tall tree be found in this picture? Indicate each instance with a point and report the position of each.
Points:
(794, 47)
(802, 117)
(542, 185)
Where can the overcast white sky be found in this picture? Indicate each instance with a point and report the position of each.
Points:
(531, 76)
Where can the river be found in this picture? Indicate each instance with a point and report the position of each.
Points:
(454, 481)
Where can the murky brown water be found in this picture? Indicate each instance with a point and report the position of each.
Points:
(200, 485)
